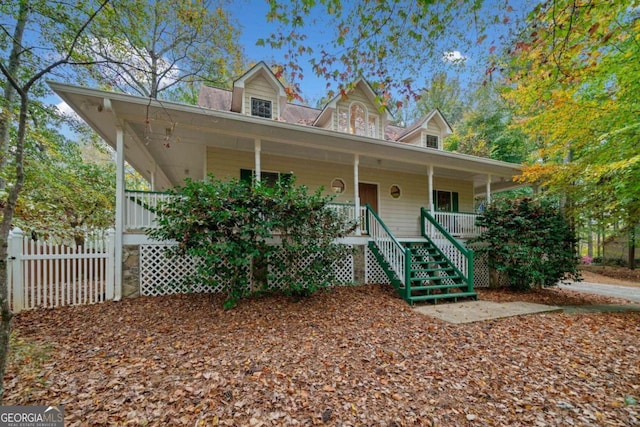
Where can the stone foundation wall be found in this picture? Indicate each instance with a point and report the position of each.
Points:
(130, 271)
(359, 264)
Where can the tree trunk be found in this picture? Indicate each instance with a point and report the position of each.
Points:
(12, 196)
(632, 247)
(5, 228)
(9, 90)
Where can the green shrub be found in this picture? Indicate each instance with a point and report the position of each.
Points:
(530, 241)
(244, 235)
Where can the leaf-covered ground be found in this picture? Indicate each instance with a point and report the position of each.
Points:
(349, 357)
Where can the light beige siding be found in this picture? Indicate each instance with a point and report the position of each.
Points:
(260, 87)
(415, 139)
(463, 188)
(402, 215)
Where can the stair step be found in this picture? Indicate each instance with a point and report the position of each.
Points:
(444, 296)
(434, 287)
(435, 278)
(429, 262)
(432, 270)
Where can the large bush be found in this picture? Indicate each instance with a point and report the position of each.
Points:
(245, 236)
(530, 241)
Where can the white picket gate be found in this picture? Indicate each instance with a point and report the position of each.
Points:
(48, 274)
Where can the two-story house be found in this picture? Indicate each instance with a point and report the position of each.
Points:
(416, 191)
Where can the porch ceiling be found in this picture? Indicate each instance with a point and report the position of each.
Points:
(171, 139)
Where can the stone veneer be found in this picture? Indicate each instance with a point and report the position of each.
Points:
(130, 271)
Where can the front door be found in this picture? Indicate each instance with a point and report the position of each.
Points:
(369, 194)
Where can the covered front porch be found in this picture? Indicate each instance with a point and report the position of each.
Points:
(140, 214)
(167, 142)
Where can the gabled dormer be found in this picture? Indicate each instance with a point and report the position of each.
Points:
(357, 112)
(429, 131)
(259, 93)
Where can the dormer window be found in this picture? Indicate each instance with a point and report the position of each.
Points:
(431, 141)
(357, 120)
(261, 108)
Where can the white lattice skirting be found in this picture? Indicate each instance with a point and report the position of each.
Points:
(161, 274)
(164, 275)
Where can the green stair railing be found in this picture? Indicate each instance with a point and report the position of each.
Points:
(394, 253)
(461, 258)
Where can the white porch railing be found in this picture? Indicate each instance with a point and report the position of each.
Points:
(139, 206)
(392, 250)
(458, 224)
(348, 211)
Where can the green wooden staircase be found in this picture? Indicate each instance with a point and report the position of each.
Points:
(433, 276)
(419, 269)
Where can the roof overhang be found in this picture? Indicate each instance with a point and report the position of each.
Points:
(170, 140)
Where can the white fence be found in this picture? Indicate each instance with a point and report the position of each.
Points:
(48, 274)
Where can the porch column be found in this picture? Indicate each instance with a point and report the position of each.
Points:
(488, 189)
(120, 198)
(153, 177)
(356, 191)
(257, 148)
(431, 205)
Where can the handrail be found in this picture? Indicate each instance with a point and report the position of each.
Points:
(146, 192)
(467, 253)
(392, 250)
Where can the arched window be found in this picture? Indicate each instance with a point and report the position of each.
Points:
(357, 119)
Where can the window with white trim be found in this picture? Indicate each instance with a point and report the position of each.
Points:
(357, 120)
(373, 125)
(445, 201)
(261, 108)
(430, 141)
(343, 120)
(267, 178)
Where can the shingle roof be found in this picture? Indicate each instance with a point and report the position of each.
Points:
(215, 98)
(293, 113)
(220, 99)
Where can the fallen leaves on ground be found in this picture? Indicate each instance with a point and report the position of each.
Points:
(352, 356)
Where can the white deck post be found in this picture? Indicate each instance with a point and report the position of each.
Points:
(14, 270)
(431, 205)
(153, 177)
(109, 273)
(257, 150)
(488, 189)
(356, 191)
(120, 198)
